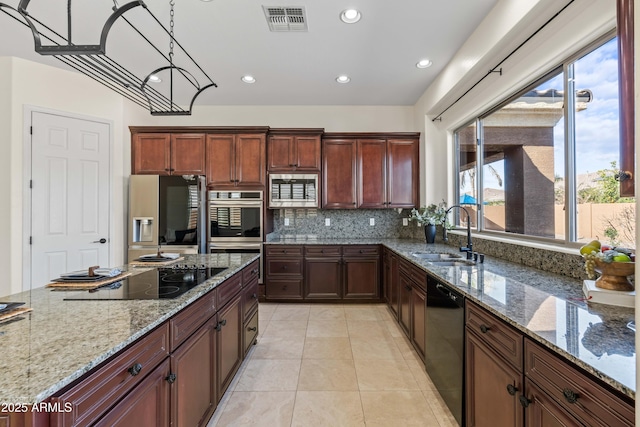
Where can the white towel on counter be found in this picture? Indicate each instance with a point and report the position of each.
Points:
(107, 272)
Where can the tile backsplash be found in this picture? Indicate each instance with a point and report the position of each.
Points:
(388, 224)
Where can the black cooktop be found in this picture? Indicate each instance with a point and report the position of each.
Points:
(160, 283)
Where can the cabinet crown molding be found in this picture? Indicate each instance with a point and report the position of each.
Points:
(382, 135)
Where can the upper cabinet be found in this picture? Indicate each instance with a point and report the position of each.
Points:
(168, 153)
(294, 150)
(370, 171)
(236, 160)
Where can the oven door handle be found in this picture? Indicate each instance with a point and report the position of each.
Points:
(235, 245)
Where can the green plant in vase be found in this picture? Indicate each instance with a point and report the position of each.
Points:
(430, 216)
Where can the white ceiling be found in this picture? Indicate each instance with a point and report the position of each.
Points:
(230, 38)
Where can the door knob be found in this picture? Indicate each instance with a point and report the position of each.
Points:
(103, 240)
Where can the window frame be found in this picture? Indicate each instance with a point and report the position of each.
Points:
(564, 67)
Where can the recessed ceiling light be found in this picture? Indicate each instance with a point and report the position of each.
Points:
(350, 16)
(206, 0)
(343, 79)
(248, 79)
(154, 79)
(424, 63)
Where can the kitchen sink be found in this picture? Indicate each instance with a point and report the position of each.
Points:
(434, 257)
(453, 263)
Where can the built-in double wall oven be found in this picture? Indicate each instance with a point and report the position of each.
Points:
(235, 222)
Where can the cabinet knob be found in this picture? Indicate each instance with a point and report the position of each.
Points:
(254, 296)
(135, 369)
(254, 271)
(360, 251)
(171, 378)
(255, 328)
(408, 287)
(524, 401)
(284, 267)
(484, 329)
(321, 251)
(511, 389)
(570, 395)
(220, 324)
(284, 288)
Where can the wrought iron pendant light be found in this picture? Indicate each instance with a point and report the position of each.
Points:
(154, 84)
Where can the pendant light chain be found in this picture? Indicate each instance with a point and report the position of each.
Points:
(171, 15)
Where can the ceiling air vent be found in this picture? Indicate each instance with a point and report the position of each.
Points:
(283, 18)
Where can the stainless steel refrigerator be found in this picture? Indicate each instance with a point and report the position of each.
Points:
(167, 213)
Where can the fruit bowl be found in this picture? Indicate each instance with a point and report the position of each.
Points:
(614, 275)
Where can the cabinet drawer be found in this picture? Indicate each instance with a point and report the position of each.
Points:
(191, 318)
(250, 272)
(314, 250)
(284, 289)
(228, 289)
(283, 250)
(97, 392)
(284, 267)
(250, 331)
(574, 389)
(494, 332)
(249, 298)
(357, 250)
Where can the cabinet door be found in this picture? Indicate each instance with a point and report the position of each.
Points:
(489, 402)
(543, 411)
(220, 155)
(229, 343)
(250, 160)
(418, 317)
(322, 278)
(193, 394)
(404, 302)
(403, 173)
(361, 278)
(372, 173)
(339, 174)
(306, 153)
(147, 405)
(188, 154)
(280, 153)
(150, 154)
(394, 287)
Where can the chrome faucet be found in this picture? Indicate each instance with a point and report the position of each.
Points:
(469, 248)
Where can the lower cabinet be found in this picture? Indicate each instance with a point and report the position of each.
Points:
(412, 304)
(323, 272)
(147, 405)
(514, 381)
(176, 374)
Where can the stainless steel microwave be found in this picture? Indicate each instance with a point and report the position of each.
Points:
(293, 190)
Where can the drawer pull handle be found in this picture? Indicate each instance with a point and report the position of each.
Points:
(524, 401)
(512, 389)
(484, 329)
(254, 296)
(254, 271)
(284, 267)
(360, 251)
(171, 378)
(135, 369)
(570, 395)
(221, 324)
(255, 328)
(408, 287)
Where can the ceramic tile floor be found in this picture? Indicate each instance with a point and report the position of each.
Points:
(331, 365)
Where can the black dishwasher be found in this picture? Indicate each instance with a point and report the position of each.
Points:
(444, 344)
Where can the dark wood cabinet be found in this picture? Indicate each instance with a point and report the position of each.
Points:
(283, 272)
(361, 275)
(236, 160)
(230, 349)
(418, 318)
(404, 301)
(323, 272)
(339, 174)
(168, 153)
(146, 406)
(543, 411)
(193, 364)
(394, 285)
(250, 276)
(294, 150)
(370, 171)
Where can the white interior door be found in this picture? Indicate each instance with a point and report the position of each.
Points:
(69, 197)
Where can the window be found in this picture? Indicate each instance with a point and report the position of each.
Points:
(549, 157)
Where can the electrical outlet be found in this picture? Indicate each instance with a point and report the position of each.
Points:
(327, 222)
(405, 221)
(286, 222)
(372, 221)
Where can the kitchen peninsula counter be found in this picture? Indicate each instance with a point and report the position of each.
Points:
(548, 308)
(59, 341)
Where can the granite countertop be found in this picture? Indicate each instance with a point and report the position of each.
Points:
(548, 308)
(61, 340)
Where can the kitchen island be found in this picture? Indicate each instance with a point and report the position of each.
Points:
(60, 341)
(547, 308)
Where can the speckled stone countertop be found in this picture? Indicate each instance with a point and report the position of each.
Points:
(61, 340)
(548, 308)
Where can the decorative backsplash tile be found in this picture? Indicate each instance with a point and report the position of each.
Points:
(310, 224)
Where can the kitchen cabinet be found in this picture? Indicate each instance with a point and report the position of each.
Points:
(412, 303)
(283, 272)
(323, 272)
(370, 171)
(339, 174)
(230, 350)
(361, 275)
(294, 150)
(168, 153)
(236, 161)
(250, 276)
(393, 283)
